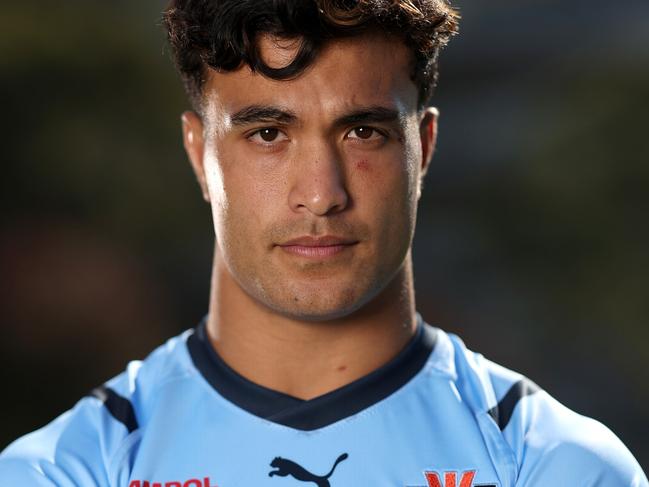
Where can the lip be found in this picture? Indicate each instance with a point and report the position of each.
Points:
(317, 247)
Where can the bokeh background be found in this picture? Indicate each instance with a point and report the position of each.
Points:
(533, 242)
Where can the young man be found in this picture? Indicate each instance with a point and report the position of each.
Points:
(310, 139)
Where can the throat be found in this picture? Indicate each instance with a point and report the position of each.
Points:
(306, 359)
(293, 402)
(310, 364)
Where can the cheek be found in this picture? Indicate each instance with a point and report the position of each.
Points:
(250, 195)
(363, 165)
(366, 174)
(381, 189)
(388, 185)
(381, 178)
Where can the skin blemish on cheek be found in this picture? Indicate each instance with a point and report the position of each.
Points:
(363, 165)
(342, 368)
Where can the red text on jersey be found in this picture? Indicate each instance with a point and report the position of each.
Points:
(187, 483)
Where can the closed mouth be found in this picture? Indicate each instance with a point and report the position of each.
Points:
(317, 247)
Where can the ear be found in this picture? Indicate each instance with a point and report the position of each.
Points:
(428, 135)
(194, 146)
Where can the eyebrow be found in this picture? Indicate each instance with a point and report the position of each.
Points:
(260, 113)
(371, 114)
(270, 114)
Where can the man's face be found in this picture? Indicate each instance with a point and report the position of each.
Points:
(314, 181)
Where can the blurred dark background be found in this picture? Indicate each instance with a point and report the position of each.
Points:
(532, 241)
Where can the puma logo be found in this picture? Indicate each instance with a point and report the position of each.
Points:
(287, 467)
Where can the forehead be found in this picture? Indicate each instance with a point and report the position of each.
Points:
(368, 70)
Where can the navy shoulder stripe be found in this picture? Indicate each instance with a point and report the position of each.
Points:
(502, 412)
(119, 407)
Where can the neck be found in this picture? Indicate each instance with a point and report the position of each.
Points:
(302, 358)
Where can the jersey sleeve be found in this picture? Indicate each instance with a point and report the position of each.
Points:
(556, 446)
(83, 447)
(560, 447)
(535, 440)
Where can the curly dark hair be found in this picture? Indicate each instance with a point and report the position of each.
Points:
(222, 34)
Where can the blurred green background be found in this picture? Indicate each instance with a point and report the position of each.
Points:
(532, 241)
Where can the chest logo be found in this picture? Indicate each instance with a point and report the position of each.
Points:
(450, 479)
(284, 467)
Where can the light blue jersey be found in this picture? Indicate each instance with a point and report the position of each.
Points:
(438, 415)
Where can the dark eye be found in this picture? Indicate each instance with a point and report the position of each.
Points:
(366, 134)
(268, 135)
(363, 132)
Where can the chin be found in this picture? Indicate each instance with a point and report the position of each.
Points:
(317, 317)
(321, 306)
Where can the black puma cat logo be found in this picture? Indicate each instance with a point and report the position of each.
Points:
(288, 467)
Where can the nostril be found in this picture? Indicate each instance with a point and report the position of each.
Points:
(323, 203)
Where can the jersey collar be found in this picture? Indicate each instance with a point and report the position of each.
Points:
(323, 410)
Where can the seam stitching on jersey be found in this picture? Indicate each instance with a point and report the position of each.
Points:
(121, 453)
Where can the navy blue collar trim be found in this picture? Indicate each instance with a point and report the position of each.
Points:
(312, 414)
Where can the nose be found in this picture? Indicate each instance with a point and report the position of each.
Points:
(318, 185)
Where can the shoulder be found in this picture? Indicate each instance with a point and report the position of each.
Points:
(561, 446)
(549, 444)
(89, 444)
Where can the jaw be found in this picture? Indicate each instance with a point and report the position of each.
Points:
(337, 297)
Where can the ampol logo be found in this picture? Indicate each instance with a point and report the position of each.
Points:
(187, 483)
